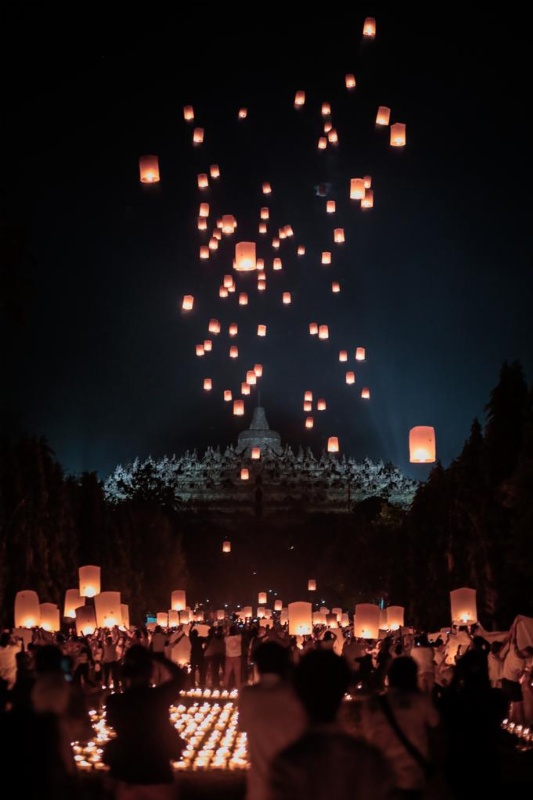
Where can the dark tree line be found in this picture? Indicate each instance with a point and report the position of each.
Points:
(470, 524)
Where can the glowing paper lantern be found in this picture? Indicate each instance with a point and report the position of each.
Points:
(245, 474)
(322, 143)
(201, 224)
(321, 404)
(308, 405)
(350, 377)
(73, 600)
(264, 213)
(222, 291)
(299, 99)
(326, 257)
(276, 264)
(233, 329)
(188, 302)
(256, 455)
(330, 206)
(226, 547)
(333, 137)
(198, 136)
(335, 287)
(204, 252)
(178, 600)
(251, 377)
(333, 444)
(258, 369)
(214, 171)
(89, 577)
(149, 169)
(262, 227)
(188, 113)
(422, 448)
(369, 28)
(301, 250)
(162, 619)
(309, 422)
(244, 257)
(267, 188)
(349, 81)
(234, 351)
(366, 621)
(27, 609)
(395, 617)
(360, 354)
(275, 242)
(286, 298)
(278, 605)
(397, 134)
(261, 330)
(208, 384)
(243, 299)
(214, 326)
(245, 388)
(323, 332)
(300, 616)
(338, 235)
(227, 395)
(368, 181)
(173, 618)
(313, 328)
(213, 243)
(260, 266)
(368, 199)
(463, 606)
(203, 181)
(326, 109)
(107, 609)
(228, 224)
(262, 598)
(383, 115)
(238, 408)
(365, 393)
(343, 355)
(243, 113)
(85, 621)
(357, 188)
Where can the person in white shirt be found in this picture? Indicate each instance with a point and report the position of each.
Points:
(9, 648)
(233, 662)
(423, 654)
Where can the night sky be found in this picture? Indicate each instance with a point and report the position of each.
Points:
(436, 279)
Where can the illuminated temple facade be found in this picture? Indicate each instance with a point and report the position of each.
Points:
(280, 482)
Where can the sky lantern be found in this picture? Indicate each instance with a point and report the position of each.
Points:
(330, 206)
(323, 332)
(85, 621)
(278, 605)
(258, 369)
(463, 606)
(422, 448)
(256, 455)
(261, 285)
(299, 99)
(333, 444)
(229, 223)
(366, 621)
(107, 609)
(343, 355)
(251, 377)
(243, 113)
(288, 230)
(244, 257)
(245, 388)
(261, 330)
(357, 188)
(309, 422)
(398, 134)
(308, 405)
(233, 329)
(308, 396)
(50, 617)
(228, 281)
(226, 547)
(300, 250)
(335, 287)
(245, 474)
(208, 384)
(275, 242)
(368, 199)
(369, 28)
(383, 115)
(326, 109)
(264, 213)
(262, 227)
(262, 598)
(198, 136)
(333, 136)
(234, 351)
(208, 345)
(326, 257)
(282, 233)
(201, 224)
(222, 291)
(89, 577)
(360, 354)
(217, 234)
(313, 328)
(338, 235)
(266, 187)
(203, 210)
(260, 266)
(178, 600)
(203, 181)
(149, 169)
(162, 619)
(228, 396)
(238, 408)
(200, 350)
(204, 252)
(349, 81)
(214, 171)
(213, 243)
(286, 298)
(73, 599)
(321, 404)
(322, 143)
(328, 126)
(188, 113)
(243, 299)
(311, 585)
(350, 377)
(27, 609)
(365, 393)
(277, 264)
(300, 618)
(395, 617)
(367, 181)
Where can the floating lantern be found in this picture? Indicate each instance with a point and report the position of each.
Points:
(338, 235)
(288, 230)
(262, 598)
(368, 199)
(333, 444)
(245, 388)
(330, 206)
(238, 408)
(202, 180)
(89, 577)
(463, 606)
(326, 257)
(321, 404)
(107, 609)
(335, 287)
(201, 224)
(214, 171)
(188, 113)
(213, 243)
(369, 28)
(228, 225)
(258, 369)
(301, 250)
(367, 181)
(313, 328)
(251, 377)
(261, 330)
(162, 619)
(309, 422)
(308, 406)
(226, 547)
(264, 213)
(323, 332)
(286, 298)
(350, 377)
(422, 448)
(278, 605)
(349, 81)
(395, 617)
(178, 600)
(203, 211)
(308, 396)
(299, 99)
(333, 136)
(282, 233)
(228, 282)
(383, 115)
(73, 600)
(228, 396)
(357, 188)
(149, 169)
(214, 326)
(275, 242)
(243, 299)
(233, 329)
(397, 134)
(173, 618)
(198, 136)
(243, 113)
(360, 354)
(311, 585)
(277, 264)
(366, 621)
(208, 345)
(365, 393)
(300, 618)
(244, 257)
(85, 621)
(262, 227)
(27, 609)
(204, 252)
(245, 474)
(260, 266)
(208, 384)
(322, 143)
(267, 188)
(187, 302)
(343, 355)
(234, 351)
(326, 110)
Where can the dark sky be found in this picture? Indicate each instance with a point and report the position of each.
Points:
(436, 279)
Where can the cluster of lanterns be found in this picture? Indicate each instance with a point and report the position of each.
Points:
(245, 258)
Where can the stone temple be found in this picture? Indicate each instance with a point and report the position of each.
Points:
(280, 482)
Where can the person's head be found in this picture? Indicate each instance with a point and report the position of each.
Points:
(137, 665)
(403, 674)
(193, 634)
(321, 679)
(472, 670)
(233, 630)
(271, 657)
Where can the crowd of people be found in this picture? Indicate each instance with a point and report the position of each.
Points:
(325, 714)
